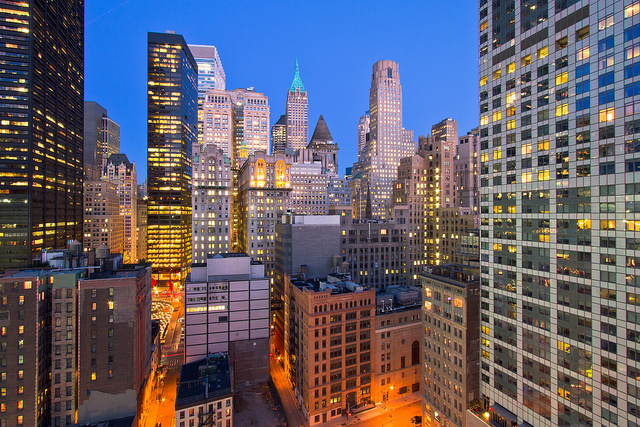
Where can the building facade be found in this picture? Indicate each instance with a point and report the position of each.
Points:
(101, 135)
(264, 188)
(557, 199)
(141, 222)
(375, 250)
(378, 165)
(328, 339)
(212, 210)
(227, 310)
(279, 135)
(210, 76)
(297, 113)
(205, 396)
(120, 171)
(451, 344)
(398, 334)
(103, 222)
(41, 136)
(172, 132)
(467, 172)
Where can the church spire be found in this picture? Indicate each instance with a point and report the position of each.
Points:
(297, 82)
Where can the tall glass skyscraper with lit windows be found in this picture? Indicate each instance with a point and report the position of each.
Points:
(172, 123)
(41, 126)
(560, 231)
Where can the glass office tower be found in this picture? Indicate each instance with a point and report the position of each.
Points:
(172, 104)
(560, 241)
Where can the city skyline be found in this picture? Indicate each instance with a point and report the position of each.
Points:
(349, 47)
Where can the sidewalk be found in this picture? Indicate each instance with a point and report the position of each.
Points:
(378, 410)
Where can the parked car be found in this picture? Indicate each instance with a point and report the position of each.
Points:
(417, 420)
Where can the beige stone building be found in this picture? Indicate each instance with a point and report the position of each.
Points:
(379, 158)
(451, 344)
(328, 345)
(141, 222)
(212, 193)
(103, 223)
(120, 171)
(264, 187)
(398, 350)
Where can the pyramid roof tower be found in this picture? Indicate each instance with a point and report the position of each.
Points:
(297, 82)
(321, 133)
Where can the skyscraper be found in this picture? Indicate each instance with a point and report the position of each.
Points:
(363, 134)
(297, 113)
(210, 76)
(101, 135)
(558, 190)
(388, 142)
(172, 131)
(41, 128)
(279, 135)
(120, 171)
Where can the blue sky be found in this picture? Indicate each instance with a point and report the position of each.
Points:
(336, 43)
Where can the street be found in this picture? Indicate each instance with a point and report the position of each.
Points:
(160, 404)
(292, 413)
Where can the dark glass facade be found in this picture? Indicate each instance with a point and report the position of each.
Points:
(41, 127)
(172, 125)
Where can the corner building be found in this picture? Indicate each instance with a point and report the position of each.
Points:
(172, 123)
(558, 189)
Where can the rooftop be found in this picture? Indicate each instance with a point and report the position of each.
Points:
(336, 283)
(204, 379)
(297, 82)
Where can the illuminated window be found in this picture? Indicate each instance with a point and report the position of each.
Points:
(632, 9)
(496, 74)
(511, 124)
(526, 177)
(511, 98)
(607, 115)
(526, 149)
(543, 145)
(497, 154)
(543, 52)
(607, 224)
(584, 224)
(497, 116)
(511, 111)
(543, 175)
(606, 22)
(526, 60)
(562, 78)
(483, 80)
(110, 303)
(511, 68)
(484, 25)
(562, 109)
(582, 53)
(484, 157)
(484, 120)
(94, 376)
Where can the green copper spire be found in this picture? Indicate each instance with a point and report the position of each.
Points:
(297, 83)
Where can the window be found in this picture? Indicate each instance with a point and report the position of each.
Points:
(605, 44)
(605, 79)
(484, 120)
(582, 71)
(483, 80)
(606, 115)
(632, 70)
(526, 60)
(562, 110)
(94, 376)
(632, 51)
(582, 54)
(497, 115)
(632, 32)
(562, 78)
(632, 9)
(632, 89)
(543, 52)
(605, 22)
(583, 103)
(606, 97)
(582, 87)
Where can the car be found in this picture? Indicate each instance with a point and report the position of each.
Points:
(417, 420)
